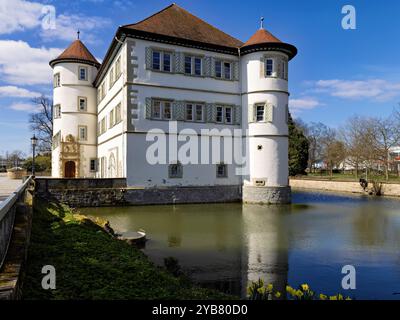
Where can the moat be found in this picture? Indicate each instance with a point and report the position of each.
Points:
(224, 245)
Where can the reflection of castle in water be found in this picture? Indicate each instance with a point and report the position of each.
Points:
(235, 248)
(265, 247)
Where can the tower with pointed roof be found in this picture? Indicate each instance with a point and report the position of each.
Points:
(74, 151)
(264, 82)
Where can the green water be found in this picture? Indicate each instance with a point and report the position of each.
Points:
(225, 246)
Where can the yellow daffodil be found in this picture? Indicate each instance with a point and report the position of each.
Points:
(322, 297)
(299, 293)
(270, 287)
(305, 287)
(333, 298)
(278, 294)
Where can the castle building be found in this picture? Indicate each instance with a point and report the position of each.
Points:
(174, 73)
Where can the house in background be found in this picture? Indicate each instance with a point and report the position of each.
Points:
(173, 66)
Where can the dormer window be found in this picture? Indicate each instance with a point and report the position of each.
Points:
(269, 67)
(83, 73)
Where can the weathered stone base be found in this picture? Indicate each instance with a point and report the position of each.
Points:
(267, 195)
(107, 193)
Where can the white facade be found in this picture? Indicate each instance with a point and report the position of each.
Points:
(249, 93)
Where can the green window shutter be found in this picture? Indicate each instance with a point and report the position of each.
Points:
(210, 111)
(179, 62)
(148, 108)
(251, 113)
(178, 110)
(268, 112)
(236, 71)
(148, 57)
(238, 114)
(207, 67)
(212, 67)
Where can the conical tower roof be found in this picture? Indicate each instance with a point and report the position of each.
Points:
(76, 52)
(261, 36)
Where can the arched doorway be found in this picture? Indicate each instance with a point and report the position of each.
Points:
(69, 170)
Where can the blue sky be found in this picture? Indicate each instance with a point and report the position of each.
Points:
(336, 74)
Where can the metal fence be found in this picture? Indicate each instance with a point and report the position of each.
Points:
(7, 217)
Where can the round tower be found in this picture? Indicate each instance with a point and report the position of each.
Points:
(74, 144)
(264, 65)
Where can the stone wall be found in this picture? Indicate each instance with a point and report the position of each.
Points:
(266, 195)
(113, 192)
(388, 189)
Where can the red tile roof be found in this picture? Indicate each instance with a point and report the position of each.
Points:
(174, 21)
(78, 52)
(261, 36)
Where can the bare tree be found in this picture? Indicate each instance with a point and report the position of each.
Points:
(15, 158)
(41, 122)
(334, 154)
(317, 134)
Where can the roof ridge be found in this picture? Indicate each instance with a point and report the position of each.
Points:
(167, 7)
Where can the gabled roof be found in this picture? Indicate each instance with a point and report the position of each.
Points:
(174, 21)
(76, 52)
(261, 36)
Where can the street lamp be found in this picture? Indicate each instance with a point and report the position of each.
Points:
(34, 143)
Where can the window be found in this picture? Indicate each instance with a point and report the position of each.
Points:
(83, 73)
(197, 66)
(218, 69)
(222, 170)
(227, 70)
(224, 114)
(57, 111)
(82, 133)
(223, 69)
(220, 115)
(260, 113)
(56, 80)
(82, 104)
(188, 65)
(156, 65)
(161, 110)
(167, 62)
(117, 68)
(175, 170)
(118, 113)
(269, 66)
(228, 114)
(111, 78)
(193, 65)
(102, 126)
(199, 113)
(111, 118)
(156, 110)
(93, 165)
(167, 111)
(189, 112)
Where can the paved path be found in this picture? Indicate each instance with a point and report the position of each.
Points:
(7, 186)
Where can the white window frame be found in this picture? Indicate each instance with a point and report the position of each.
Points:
(86, 73)
(95, 162)
(57, 80)
(262, 106)
(223, 115)
(225, 173)
(162, 105)
(267, 60)
(57, 111)
(193, 65)
(222, 63)
(162, 62)
(85, 138)
(79, 104)
(230, 70)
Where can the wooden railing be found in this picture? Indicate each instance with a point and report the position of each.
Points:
(7, 217)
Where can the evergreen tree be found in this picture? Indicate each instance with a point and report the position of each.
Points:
(298, 149)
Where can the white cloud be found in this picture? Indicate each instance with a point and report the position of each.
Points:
(68, 25)
(18, 15)
(304, 103)
(21, 106)
(13, 91)
(22, 64)
(376, 89)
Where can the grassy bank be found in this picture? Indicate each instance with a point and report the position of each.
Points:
(90, 264)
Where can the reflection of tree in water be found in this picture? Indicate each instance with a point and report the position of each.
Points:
(265, 251)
